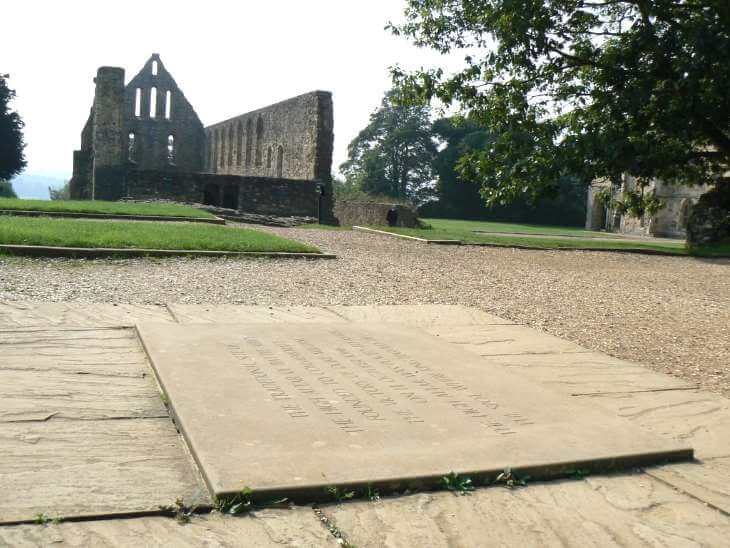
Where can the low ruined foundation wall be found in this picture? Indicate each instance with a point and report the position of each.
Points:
(261, 195)
(374, 214)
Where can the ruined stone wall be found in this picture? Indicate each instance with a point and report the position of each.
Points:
(292, 139)
(350, 213)
(263, 195)
(161, 128)
(670, 221)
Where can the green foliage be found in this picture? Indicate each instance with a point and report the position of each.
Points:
(6, 190)
(457, 484)
(580, 88)
(100, 206)
(460, 198)
(392, 156)
(144, 235)
(511, 480)
(240, 503)
(338, 495)
(12, 159)
(63, 193)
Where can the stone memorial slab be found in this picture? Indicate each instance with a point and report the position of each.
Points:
(421, 315)
(289, 409)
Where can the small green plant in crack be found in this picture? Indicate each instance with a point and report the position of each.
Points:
(180, 512)
(165, 399)
(458, 484)
(580, 473)
(337, 494)
(511, 480)
(242, 503)
(42, 518)
(372, 494)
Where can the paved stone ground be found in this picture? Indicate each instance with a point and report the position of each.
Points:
(88, 436)
(670, 313)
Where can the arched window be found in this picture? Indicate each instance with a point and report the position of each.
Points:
(154, 68)
(239, 144)
(230, 146)
(259, 140)
(268, 158)
(132, 147)
(280, 161)
(168, 104)
(153, 102)
(684, 211)
(138, 102)
(249, 142)
(170, 149)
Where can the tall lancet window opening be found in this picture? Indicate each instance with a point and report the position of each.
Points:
(153, 103)
(168, 105)
(138, 102)
(154, 68)
(132, 147)
(170, 149)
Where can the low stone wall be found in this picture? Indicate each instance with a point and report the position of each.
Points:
(260, 195)
(375, 214)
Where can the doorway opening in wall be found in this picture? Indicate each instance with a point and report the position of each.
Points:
(230, 197)
(211, 195)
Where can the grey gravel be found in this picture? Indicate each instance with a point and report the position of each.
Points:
(670, 313)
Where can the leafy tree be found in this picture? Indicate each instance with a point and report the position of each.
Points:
(62, 193)
(593, 88)
(459, 198)
(6, 190)
(12, 160)
(392, 156)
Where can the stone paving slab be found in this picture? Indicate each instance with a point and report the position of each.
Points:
(30, 396)
(707, 481)
(694, 417)
(625, 511)
(77, 468)
(288, 410)
(421, 315)
(108, 352)
(28, 314)
(499, 340)
(266, 529)
(225, 313)
(83, 430)
(583, 373)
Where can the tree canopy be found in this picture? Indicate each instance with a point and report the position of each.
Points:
(6, 190)
(392, 156)
(590, 88)
(12, 160)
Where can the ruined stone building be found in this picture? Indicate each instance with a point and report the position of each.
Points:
(670, 221)
(144, 140)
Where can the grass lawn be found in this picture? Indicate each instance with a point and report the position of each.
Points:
(467, 228)
(549, 237)
(102, 207)
(48, 231)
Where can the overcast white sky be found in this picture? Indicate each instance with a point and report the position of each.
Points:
(228, 57)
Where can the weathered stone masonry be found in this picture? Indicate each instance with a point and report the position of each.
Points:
(144, 140)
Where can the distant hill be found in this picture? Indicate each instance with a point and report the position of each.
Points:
(36, 186)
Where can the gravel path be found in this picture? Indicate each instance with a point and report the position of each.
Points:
(671, 313)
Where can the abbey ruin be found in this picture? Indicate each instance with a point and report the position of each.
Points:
(144, 140)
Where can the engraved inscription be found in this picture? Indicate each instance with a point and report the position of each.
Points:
(360, 383)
